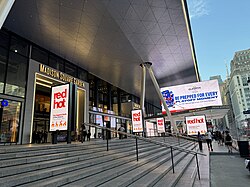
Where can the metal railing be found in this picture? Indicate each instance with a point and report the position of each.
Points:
(163, 144)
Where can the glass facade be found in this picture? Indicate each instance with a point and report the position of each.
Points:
(103, 97)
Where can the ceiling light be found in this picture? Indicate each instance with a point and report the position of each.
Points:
(43, 80)
(45, 85)
(15, 51)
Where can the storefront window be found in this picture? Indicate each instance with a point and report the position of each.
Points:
(9, 121)
(3, 59)
(56, 63)
(16, 75)
(4, 38)
(40, 55)
(70, 69)
(19, 46)
(82, 74)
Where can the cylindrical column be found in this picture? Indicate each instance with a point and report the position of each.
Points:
(151, 73)
(143, 82)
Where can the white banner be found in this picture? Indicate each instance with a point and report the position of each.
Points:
(195, 124)
(137, 121)
(191, 96)
(160, 125)
(150, 129)
(59, 107)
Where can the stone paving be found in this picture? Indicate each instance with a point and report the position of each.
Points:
(227, 169)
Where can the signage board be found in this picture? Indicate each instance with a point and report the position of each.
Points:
(160, 125)
(59, 107)
(191, 96)
(150, 129)
(137, 121)
(60, 75)
(195, 124)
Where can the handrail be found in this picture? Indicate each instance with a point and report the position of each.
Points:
(146, 139)
(182, 136)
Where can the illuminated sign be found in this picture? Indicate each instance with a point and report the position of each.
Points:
(137, 121)
(160, 125)
(195, 124)
(60, 75)
(4, 103)
(59, 107)
(191, 96)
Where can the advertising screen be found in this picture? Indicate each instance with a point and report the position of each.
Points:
(160, 125)
(59, 107)
(195, 124)
(191, 96)
(137, 121)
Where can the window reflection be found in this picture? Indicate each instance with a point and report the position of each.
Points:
(16, 75)
(3, 60)
(9, 125)
(56, 63)
(19, 46)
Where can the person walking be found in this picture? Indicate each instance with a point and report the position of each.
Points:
(199, 140)
(88, 135)
(229, 142)
(209, 141)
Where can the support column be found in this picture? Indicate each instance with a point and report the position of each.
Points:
(142, 100)
(143, 82)
(5, 6)
(151, 73)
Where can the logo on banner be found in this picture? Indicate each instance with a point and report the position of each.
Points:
(60, 99)
(168, 97)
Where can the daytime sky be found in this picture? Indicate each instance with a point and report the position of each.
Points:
(219, 29)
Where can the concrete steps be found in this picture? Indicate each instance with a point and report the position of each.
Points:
(88, 164)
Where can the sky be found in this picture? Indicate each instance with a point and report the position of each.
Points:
(219, 29)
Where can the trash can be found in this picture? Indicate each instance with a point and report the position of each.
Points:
(243, 148)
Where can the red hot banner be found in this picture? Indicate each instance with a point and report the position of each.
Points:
(160, 125)
(137, 121)
(59, 107)
(195, 124)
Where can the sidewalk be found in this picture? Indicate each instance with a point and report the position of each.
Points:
(227, 169)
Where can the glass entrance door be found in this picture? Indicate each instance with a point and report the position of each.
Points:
(10, 121)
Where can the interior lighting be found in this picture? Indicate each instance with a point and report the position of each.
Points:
(43, 80)
(15, 51)
(45, 85)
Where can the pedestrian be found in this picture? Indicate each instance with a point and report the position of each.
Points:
(209, 141)
(119, 134)
(88, 135)
(199, 140)
(83, 133)
(229, 142)
(45, 136)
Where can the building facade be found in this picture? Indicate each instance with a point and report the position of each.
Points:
(239, 89)
(27, 73)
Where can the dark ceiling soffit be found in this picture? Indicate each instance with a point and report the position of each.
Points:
(184, 74)
(192, 41)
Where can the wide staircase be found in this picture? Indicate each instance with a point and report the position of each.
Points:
(90, 164)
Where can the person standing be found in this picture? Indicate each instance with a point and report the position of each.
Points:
(209, 141)
(199, 140)
(84, 133)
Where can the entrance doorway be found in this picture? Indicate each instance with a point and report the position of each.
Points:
(41, 117)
